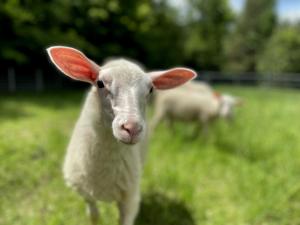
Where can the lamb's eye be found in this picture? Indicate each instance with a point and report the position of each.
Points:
(151, 90)
(100, 84)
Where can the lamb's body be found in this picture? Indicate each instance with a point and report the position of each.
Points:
(99, 166)
(96, 164)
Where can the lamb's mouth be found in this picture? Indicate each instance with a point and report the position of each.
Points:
(129, 140)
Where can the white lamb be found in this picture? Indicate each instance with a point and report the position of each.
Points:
(192, 102)
(105, 156)
(198, 86)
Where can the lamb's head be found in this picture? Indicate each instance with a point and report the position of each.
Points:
(228, 103)
(123, 87)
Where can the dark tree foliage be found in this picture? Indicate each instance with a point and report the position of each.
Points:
(206, 32)
(282, 51)
(144, 30)
(253, 29)
(202, 34)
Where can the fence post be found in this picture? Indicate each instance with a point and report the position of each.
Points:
(39, 81)
(207, 77)
(11, 80)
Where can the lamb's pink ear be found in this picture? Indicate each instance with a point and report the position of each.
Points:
(74, 63)
(171, 78)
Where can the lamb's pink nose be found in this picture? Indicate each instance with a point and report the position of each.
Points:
(132, 128)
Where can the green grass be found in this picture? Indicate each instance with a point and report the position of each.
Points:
(245, 172)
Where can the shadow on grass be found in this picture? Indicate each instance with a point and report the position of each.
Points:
(158, 209)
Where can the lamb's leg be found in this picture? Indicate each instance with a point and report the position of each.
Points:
(92, 211)
(170, 123)
(128, 209)
(205, 125)
(205, 129)
(196, 131)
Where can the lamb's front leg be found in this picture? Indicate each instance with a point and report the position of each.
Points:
(128, 208)
(92, 211)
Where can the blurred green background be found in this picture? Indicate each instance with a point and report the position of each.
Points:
(245, 172)
(215, 35)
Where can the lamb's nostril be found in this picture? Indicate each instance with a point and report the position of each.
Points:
(132, 128)
(124, 127)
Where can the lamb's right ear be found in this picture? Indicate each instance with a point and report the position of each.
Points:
(171, 78)
(74, 63)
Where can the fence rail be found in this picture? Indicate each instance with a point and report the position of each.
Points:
(39, 80)
(278, 80)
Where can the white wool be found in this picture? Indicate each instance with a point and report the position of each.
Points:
(99, 166)
(96, 164)
(194, 101)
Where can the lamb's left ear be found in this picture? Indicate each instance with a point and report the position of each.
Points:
(171, 78)
(74, 63)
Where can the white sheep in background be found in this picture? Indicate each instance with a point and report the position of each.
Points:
(228, 103)
(105, 155)
(198, 86)
(192, 102)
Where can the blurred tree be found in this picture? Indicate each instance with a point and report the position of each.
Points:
(281, 53)
(28, 27)
(145, 30)
(252, 31)
(162, 37)
(207, 27)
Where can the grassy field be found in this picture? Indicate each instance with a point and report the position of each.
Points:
(246, 172)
